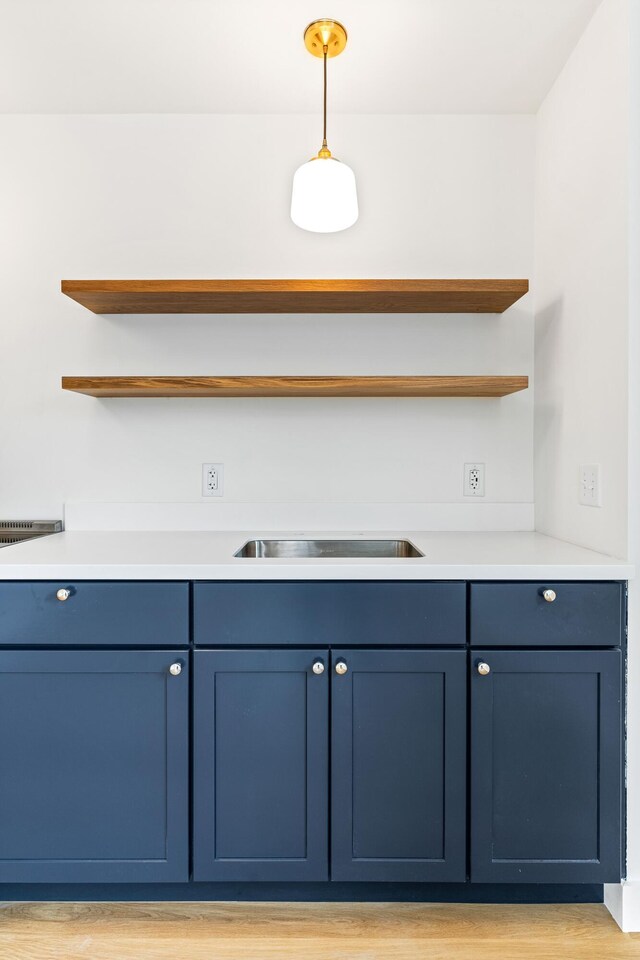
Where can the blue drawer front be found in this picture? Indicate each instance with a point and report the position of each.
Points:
(330, 613)
(517, 614)
(95, 614)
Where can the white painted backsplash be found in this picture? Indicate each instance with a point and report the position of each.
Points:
(300, 517)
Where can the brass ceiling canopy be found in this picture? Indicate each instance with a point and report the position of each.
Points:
(327, 35)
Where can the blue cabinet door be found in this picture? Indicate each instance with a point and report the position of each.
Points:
(398, 765)
(93, 766)
(546, 766)
(260, 765)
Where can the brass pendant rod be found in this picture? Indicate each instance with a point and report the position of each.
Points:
(324, 117)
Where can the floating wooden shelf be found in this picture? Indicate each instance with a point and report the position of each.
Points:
(295, 296)
(295, 386)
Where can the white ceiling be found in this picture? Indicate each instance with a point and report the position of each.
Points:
(247, 56)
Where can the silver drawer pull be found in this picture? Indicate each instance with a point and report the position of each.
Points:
(63, 594)
(549, 595)
(483, 668)
(341, 668)
(175, 669)
(318, 667)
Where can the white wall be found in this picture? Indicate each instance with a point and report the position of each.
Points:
(207, 196)
(624, 900)
(587, 329)
(581, 287)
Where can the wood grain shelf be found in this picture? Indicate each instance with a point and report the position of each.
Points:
(295, 296)
(295, 386)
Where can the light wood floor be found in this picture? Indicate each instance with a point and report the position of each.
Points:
(319, 931)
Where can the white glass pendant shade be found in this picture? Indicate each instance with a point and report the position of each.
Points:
(324, 197)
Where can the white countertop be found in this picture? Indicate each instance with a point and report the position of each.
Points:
(127, 555)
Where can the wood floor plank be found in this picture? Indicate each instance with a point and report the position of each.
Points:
(317, 931)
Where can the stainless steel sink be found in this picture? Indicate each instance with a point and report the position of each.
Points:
(307, 549)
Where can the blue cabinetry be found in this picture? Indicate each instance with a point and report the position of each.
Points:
(93, 766)
(546, 766)
(94, 613)
(260, 765)
(398, 769)
(329, 613)
(547, 614)
(261, 777)
(329, 737)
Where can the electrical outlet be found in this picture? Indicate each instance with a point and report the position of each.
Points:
(473, 480)
(212, 479)
(589, 488)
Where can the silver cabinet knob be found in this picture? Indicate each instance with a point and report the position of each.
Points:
(341, 668)
(318, 667)
(483, 668)
(549, 595)
(175, 669)
(63, 593)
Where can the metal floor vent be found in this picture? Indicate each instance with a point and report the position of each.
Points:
(15, 531)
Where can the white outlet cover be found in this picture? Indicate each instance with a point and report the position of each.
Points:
(473, 481)
(212, 479)
(590, 485)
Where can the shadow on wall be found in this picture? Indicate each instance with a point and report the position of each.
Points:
(547, 409)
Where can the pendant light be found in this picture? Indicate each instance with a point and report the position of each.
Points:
(324, 197)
